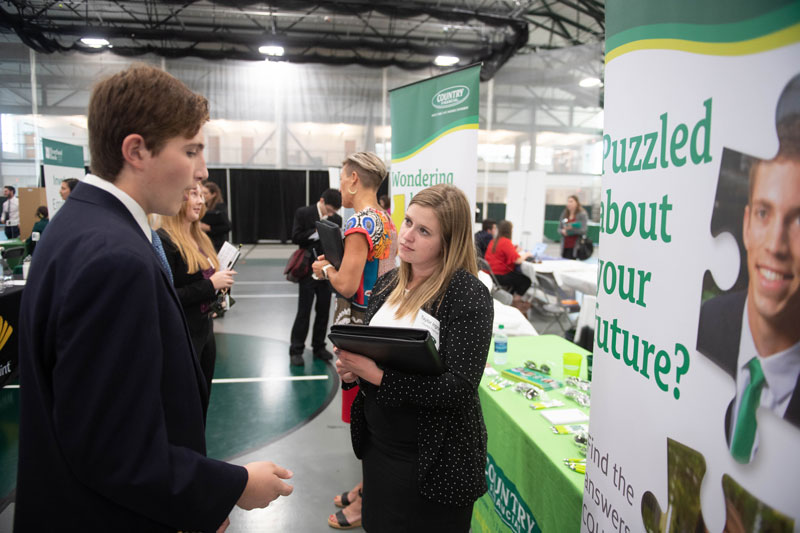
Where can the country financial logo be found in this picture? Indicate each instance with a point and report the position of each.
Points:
(452, 96)
(5, 332)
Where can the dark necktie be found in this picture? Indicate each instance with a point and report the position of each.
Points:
(161, 255)
(744, 434)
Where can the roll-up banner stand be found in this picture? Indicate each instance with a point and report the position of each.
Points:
(61, 161)
(695, 405)
(434, 136)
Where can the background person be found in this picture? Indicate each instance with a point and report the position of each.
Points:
(385, 203)
(754, 335)
(42, 218)
(370, 247)
(112, 396)
(215, 222)
(503, 258)
(10, 212)
(67, 186)
(572, 223)
(196, 275)
(422, 439)
(304, 226)
(485, 236)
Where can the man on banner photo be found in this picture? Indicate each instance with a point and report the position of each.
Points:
(754, 335)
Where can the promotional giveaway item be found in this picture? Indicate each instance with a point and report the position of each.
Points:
(696, 334)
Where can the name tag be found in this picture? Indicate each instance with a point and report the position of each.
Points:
(427, 322)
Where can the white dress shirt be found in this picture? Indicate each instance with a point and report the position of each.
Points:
(11, 211)
(780, 374)
(130, 204)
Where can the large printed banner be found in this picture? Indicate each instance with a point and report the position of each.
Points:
(61, 161)
(434, 136)
(695, 404)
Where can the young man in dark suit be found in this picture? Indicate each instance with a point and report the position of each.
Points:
(754, 335)
(304, 227)
(112, 394)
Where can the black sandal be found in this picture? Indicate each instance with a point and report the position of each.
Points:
(344, 499)
(341, 521)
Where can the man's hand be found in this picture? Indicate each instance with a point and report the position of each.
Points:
(264, 485)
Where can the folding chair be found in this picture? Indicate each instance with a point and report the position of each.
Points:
(499, 293)
(556, 303)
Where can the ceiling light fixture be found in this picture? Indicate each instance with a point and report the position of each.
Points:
(590, 82)
(445, 61)
(94, 42)
(271, 50)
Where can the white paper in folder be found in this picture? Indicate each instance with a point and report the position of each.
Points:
(228, 255)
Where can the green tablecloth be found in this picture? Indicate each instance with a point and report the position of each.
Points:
(525, 469)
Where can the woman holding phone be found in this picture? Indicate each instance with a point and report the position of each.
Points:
(196, 273)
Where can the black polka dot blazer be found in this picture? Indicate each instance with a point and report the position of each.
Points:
(450, 428)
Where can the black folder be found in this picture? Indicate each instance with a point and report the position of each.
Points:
(330, 237)
(408, 350)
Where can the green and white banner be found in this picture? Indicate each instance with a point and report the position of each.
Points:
(61, 161)
(434, 136)
(695, 407)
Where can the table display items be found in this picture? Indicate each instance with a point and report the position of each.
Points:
(572, 364)
(534, 377)
(576, 465)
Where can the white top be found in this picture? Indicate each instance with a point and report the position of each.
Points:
(11, 211)
(780, 374)
(384, 317)
(135, 209)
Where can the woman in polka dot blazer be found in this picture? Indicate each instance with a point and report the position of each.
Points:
(422, 439)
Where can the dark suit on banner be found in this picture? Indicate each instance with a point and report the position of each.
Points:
(305, 219)
(112, 395)
(720, 331)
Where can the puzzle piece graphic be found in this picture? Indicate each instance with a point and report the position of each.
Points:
(685, 471)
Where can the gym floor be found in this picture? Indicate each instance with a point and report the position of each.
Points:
(261, 407)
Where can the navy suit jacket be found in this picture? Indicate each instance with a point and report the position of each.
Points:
(718, 336)
(112, 395)
(304, 226)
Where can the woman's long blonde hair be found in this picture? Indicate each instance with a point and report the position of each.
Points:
(458, 251)
(193, 244)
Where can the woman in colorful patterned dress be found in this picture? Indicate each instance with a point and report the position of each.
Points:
(370, 247)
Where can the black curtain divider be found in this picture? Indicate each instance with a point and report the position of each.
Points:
(264, 202)
(318, 183)
(217, 175)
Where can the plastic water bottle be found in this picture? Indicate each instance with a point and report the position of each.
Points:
(500, 347)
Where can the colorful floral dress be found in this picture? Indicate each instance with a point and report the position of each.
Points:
(381, 236)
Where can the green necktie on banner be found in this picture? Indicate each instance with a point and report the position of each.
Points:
(745, 432)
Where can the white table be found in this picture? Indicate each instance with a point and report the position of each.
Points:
(559, 268)
(584, 281)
